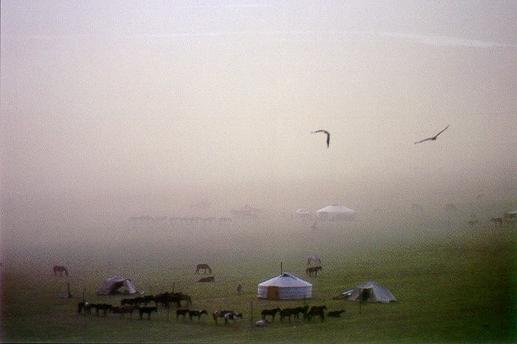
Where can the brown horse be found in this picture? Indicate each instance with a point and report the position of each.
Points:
(313, 270)
(317, 311)
(203, 267)
(59, 270)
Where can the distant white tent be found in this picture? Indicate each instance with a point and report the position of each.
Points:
(117, 284)
(336, 212)
(372, 291)
(285, 287)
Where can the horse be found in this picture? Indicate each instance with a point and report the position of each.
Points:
(166, 298)
(207, 279)
(183, 312)
(287, 312)
(316, 311)
(203, 267)
(129, 302)
(148, 310)
(335, 314)
(59, 269)
(270, 312)
(104, 307)
(123, 310)
(227, 315)
(313, 259)
(197, 313)
(313, 270)
(148, 298)
(82, 306)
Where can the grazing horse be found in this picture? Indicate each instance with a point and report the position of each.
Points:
(335, 314)
(317, 311)
(227, 315)
(148, 298)
(313, 270)
(287, 312)
(197, 313)
(183, 312)
(207, 279)
(104, 307)
(59, 270)
(123, 310)
(270, 312)
(167, 298)
(203, 267)
(148, 310)
(313, 259)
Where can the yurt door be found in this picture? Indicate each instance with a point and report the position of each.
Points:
(272, 293)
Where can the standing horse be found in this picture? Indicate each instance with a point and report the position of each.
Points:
(313, 270)
(313, 260)
(59, 269)
(203, 267)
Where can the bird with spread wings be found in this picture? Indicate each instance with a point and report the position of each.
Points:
(432, 138)
(323, 131)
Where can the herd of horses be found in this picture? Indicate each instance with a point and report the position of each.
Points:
(304, 311)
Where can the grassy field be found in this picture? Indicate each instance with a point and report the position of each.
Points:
(453, 285)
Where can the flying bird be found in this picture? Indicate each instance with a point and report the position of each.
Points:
(323, 131)
(433, 138)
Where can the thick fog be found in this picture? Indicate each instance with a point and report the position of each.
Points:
(112, 110)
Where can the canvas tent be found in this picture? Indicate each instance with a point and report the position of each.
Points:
(117, 284)
(285, 287)
(372, 291)
(336, 212)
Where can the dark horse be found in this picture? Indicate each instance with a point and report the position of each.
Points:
(317, 311)
(313, 270)
(196, 313)
(148, 310)
(270, 312)
(59, 269)
(167, 298)
(203, 267)
(288, 312)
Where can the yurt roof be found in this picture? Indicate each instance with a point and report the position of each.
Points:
(285, 280)
(335, 208)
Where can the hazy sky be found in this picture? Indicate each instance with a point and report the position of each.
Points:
(106, 102)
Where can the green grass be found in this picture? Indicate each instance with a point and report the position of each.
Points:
(451, 288)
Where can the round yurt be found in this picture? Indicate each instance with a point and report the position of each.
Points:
(284, 287)
(336, 212)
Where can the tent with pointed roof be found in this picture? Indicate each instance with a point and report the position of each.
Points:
(336, 212)
(285, 287)
(372, 291)
(117, 284)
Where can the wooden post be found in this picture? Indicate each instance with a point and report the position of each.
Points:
(84, 291)
(173, 286)
(68, 290)
(251, 313)
(281, 268)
